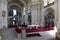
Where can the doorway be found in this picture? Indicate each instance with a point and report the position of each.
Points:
(49, 17)
(14, 17)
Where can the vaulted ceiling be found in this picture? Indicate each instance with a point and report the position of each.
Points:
(24, 2)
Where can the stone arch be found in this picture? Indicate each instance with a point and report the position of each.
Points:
(49, 10)
(49, 16)
(15, 5)
(19, 10)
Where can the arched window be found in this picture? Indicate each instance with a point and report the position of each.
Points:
(14, 12)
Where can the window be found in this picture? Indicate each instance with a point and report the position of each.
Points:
(14, 12)
(14, 19)
(46, 2)
(50, 1)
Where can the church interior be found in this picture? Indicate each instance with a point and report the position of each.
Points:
(29, 19)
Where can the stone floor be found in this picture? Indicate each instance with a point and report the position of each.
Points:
(9, 34)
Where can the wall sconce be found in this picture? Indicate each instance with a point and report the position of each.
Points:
(3, 13)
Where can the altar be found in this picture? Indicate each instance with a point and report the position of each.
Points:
(33, 31)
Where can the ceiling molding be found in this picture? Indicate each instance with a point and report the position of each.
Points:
(24, 2)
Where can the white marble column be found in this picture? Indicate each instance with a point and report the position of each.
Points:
(35, 12)
(26, 15)
(1, 14)
(57, 14)
(42, 17)
(4, 12)
(42, 13)
(26, 18)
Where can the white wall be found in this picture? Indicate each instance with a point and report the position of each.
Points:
(57, 9)
(3, 7)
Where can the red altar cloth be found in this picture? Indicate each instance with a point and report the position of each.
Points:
(28, 30)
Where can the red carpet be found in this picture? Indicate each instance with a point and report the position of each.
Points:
(28, 30)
